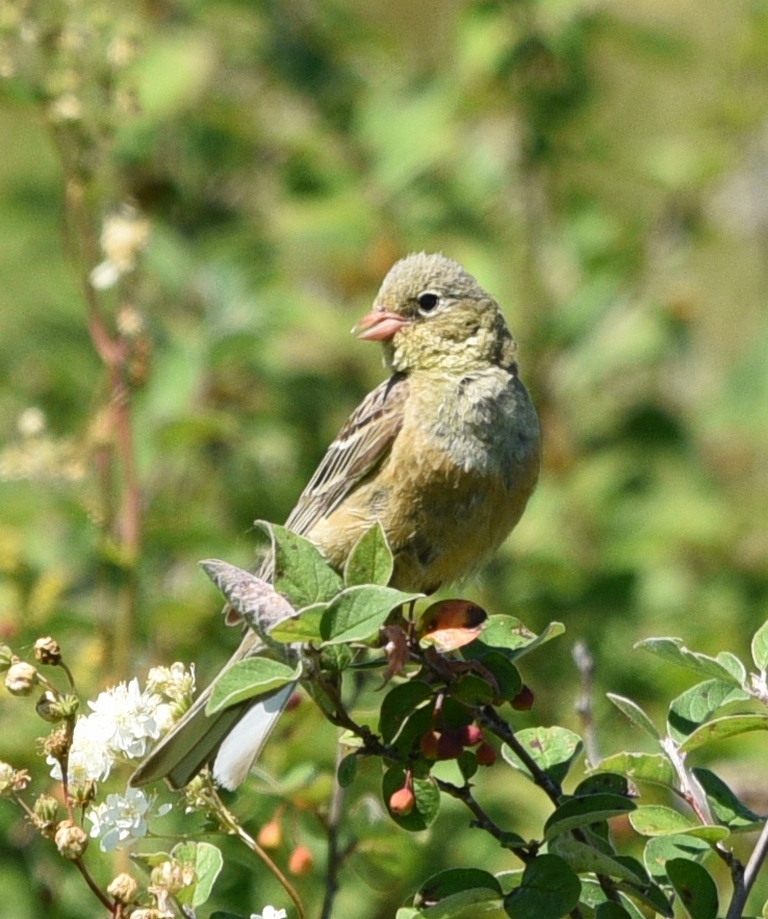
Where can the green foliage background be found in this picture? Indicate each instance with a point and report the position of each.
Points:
(600, 167)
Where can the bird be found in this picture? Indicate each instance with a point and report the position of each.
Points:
(444, 454)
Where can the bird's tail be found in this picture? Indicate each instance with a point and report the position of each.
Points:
(231, 738)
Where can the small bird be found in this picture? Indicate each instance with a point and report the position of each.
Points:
(444, 454)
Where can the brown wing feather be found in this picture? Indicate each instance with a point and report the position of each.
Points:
(361, 445)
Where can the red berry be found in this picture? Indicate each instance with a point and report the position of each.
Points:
(486, 755)
(449, 746)
(270, 835)
(301, 861)
(523, 701)
(428, 745)
(470, 735)
(402, 801)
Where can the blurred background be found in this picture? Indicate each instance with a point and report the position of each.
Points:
(600, 167)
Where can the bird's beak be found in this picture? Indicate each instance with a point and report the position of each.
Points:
(379, 325)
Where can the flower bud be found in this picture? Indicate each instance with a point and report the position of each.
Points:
(301, 861)
(47, 707)
(82, 793)
(6, 658)
(21, 678)
(402, 802)
(71, 840)
(46, 810)
(47, 651)
(124, 889)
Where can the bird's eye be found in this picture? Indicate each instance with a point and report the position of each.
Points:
(427, 302)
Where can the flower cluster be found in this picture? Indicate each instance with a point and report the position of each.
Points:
(121, 819)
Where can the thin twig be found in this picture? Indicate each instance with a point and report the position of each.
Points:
(335, 855)
(744, 878)
(585, 664)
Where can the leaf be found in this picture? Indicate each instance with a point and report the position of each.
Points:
(611, 910)
(553, 749)
(672, 650)
(635, 714)
(347, 770)
(579, 812)
(252, 677)
(760, 648)
(301, 573)
(399, 703)
(207, 862)
(660, 849)
(657, 820)
(604, 782)
(507, 676)
(467, 903)
(725, 806)
(592, 895)
(694, 886)
(722, 729)
(454, 880)
(700, 702)
(302, 628)
(584, 858)
(549, 889)
(357, 613)
(208, 865)
(370, 561)
(640, 767)
(649, 894)
(426, 794)
(510, 634)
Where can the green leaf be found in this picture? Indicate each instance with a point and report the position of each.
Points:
(640, 767)
(760, 647)
(635, 714)
(660, 849)
(725, 806)
(301, 629)
(694, 886)
(672, 650)
(550, 889)
(370, 561)
(465, 904)
(509, 633)
(649, 894)
(586, 859)
(357, 613)
(347, 771)
(506, 674)
(472, 690)
(611, 910)
(722, 729)
(426, 793)
(579, 812)
(698, 704)
(301, 573)
(399, 703)
(245, 679)
(604, 783)
(454, 880)
(553, 749)
(207, 861)
(657, 820)
(593, 896)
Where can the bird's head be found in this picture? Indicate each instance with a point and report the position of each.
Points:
(431, 315)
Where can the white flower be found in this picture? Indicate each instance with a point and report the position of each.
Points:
(269, 912)
(89, 758)
(123, 818)
(127, 718)
(123, 235)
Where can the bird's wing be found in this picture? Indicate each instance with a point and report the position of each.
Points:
(361, 445)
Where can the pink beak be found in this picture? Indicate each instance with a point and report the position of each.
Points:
(379, 325)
